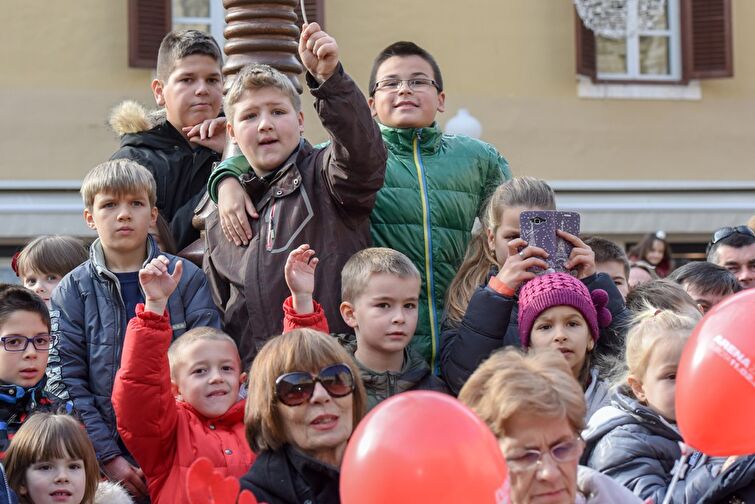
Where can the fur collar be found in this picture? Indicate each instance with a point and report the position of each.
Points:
(132, 117)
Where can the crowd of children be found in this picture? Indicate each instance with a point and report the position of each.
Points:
(368, 237)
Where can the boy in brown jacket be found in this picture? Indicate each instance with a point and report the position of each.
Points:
(295, 193)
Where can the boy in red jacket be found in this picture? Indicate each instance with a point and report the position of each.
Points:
(176, 403)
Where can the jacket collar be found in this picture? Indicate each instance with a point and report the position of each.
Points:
(286, 179)
(402, 139)
(234, 415)
(11, 394)
(97, 257)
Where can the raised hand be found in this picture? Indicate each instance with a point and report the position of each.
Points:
(157, 284)
(209, 133)
(582, 258)
(300, 277)
(318, 52)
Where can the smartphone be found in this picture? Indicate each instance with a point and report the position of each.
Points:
(538, 228)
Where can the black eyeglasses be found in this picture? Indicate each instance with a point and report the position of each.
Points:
(18, 343)
(392, 85)
(293, 389)
(725, 232)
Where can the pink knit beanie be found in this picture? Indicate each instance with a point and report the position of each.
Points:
(560, 289)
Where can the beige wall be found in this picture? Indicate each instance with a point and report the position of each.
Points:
(510, 62)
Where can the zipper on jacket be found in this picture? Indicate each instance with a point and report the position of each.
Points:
(428, 235)
(271, 228)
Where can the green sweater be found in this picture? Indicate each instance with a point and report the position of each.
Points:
(435, 186)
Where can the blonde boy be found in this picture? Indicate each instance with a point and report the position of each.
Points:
(294, 193)
(177, 402)
(93, 303)
(379, 292)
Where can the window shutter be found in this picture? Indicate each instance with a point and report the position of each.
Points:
(148, 22)
(315, 12)
(707, 39)
(585, 45)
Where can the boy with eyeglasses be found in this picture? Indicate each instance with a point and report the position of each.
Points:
(176, 402)
(734, 249)
(435, 184)
(25, 342)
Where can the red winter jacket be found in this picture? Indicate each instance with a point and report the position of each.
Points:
(166, 436)
(293, 320)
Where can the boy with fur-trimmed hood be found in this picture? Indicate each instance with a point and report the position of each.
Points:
(180, 142)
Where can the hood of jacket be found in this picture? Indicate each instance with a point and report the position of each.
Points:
(111, 493)
(138, 127)
(597, 394)
(625, 410)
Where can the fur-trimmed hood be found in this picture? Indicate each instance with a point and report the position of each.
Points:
(132, 117)
(111, 493)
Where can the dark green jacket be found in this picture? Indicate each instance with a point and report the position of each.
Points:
(435, 186)
(414, 375)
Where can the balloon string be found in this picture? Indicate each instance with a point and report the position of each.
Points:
(686, 452)
(303, 11)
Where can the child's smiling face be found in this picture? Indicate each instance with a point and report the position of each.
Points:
(405, 107)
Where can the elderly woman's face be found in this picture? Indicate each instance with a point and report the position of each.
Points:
(547, 481)
(321, 426)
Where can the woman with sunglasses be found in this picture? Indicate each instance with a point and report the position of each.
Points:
(305, 399)
(536, 409)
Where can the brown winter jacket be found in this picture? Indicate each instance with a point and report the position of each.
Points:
(322, 197)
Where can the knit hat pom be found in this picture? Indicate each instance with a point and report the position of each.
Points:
(600, 300)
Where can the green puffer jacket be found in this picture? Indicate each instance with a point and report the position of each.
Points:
(414, 375)
(435, 186)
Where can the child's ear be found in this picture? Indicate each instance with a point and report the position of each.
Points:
(442, 101)
(157, 91)
(89, 219)
(371, 103)
(229, 131)
(242, 378)
(347, 312)
(174, 390)
(491, 239)
(590, 344)
(153, 216)
(637, 389)
(300, 117)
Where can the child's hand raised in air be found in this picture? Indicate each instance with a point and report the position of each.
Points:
(318, 52)
(158, 284)
(209, 133)
(300, 278)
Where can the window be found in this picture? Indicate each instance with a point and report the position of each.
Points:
(203, 15)
(691, 40)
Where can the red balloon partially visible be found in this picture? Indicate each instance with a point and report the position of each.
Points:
(715, 383)
(423, 447)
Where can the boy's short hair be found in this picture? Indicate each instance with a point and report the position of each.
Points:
(254, 77)
(356, 273)
(52, 255)
(661, 294)
(182, 43)
(118, 176)
(15, 298)
(191, 336)
(706, 277)
(735, 240)
(404, 48)
(606, 251)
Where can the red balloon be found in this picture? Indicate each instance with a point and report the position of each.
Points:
(423, 447)
(715, 383)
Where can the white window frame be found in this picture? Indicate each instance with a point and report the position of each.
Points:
(216, 20)
(674, 35)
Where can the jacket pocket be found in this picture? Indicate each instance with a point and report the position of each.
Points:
(286, 219)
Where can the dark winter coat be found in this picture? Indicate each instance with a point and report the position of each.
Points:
(734, 486)
(90, 329)
(490, 323)
(322, 197)
(18, 403)
(287, 476)
(180, 169)
(636, 447)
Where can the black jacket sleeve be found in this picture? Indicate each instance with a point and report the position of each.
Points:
(464, 346)
(611, 341)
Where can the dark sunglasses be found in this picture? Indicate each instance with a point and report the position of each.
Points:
(293, 389)
(725, 232)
